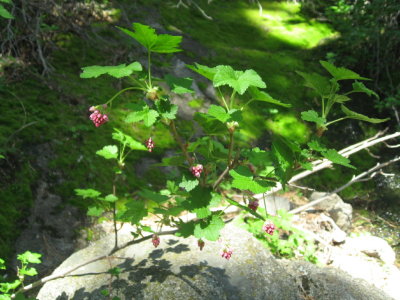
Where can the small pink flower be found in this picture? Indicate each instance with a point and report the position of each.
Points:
(196, 170)
(269, 227)
(226, 253)
(98, 118)
(149, 144)
(155, 240)
(92, 108)
(253, 204)
(201, 244)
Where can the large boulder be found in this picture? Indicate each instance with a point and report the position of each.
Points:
(177, 269)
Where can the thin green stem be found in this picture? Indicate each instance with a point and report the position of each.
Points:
(232, 98)
(149, 69)
(265, 206)
(223, 99)
(334, 121)
(323, 107)
(122, 91)
(247, 103)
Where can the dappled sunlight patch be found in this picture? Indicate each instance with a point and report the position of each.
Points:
(288, 126)
(281, 21)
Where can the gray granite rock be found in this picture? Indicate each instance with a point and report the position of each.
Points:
(340, 212)
(177, 269)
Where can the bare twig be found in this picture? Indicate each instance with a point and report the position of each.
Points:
(353, 180)
(323, 164)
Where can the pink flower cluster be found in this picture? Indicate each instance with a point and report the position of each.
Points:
(155, 240)
(269, 227)
(196, 170)
(253, 204)
(201, 244)
(226, 253)
(97, 117)
(149, 144)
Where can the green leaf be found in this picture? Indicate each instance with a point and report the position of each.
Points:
(94, 211)
(179, 85)
(188, 184)
(28, 271)
(317, 82)
(119, 71)
(6, 1)
(283, 158)
(87, 193)
(150, 117)
(258, 95)
(243, 180)
(258, 157)
(156, 197)
(316, 146)
(219, 113)
(5, 13)
(306, 165)
(147, 37)
(357, 116)
(9, 286)
(128, 140)
(166, 109)
(340, 98)
(29, 257)
(359, 87)
(209, 124)
(171, 211)
(341, 73)
(238, 80)
(185, 229)
(2, 156)
(110, 198)
(135, 211)
(108, 152)
(205, 71)
(198, 201)
(337, 158)
(312, 116)
(209, 229)
(2, 264)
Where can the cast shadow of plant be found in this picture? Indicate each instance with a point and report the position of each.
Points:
(135, 276)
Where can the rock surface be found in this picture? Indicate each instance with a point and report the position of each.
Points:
(179, 270)
(340, 212)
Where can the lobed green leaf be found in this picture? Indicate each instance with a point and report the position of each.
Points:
(147, 37)
(341, 73)
(353, 115)
(108, 152)
(87, 193)
(238, 80)
(179, 85)
(337, 158)
(312, 116)
(209, 229)
(119, 71)
(258, 95)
